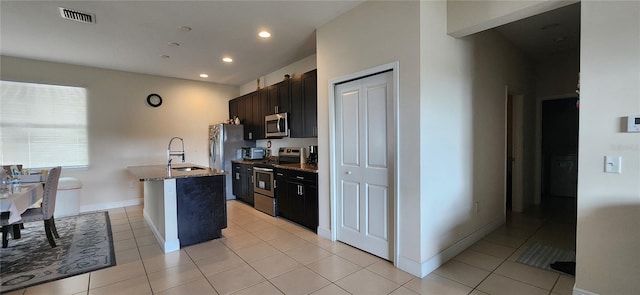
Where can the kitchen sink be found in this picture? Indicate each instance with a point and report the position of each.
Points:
(193, 168)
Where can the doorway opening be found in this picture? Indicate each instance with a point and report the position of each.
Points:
(559, 173)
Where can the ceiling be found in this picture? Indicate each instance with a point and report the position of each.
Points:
(134, 35)
(546, 34)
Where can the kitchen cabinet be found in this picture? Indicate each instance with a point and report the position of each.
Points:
(243, 108)
(202, 209)
(301, 201)
(280, 193)
(233, 108)
(261, 104)
(242, 183)
(303, 118)
(279, 98)
(297, 96)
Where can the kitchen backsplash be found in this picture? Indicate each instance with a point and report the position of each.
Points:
(286, 142)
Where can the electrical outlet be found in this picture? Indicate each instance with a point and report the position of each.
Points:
(613, 164)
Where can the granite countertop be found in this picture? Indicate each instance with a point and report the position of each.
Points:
(299, 166)
(160, 172)
(292, 166)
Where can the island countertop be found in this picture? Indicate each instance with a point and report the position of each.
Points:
(160, 172)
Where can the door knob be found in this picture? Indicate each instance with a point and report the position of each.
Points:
(348, 172)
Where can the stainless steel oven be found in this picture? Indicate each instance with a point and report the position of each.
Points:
(263, 198)
(264, 182)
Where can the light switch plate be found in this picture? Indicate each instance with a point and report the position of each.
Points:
(612, 164)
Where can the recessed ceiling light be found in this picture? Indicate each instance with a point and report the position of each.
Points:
(164, 56)
(204, 76)
(174, 44)
(227, 59)
(185, 28)
(264, 34)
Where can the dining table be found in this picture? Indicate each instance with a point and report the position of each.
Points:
(18, 202)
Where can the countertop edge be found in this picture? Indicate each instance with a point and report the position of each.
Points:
(160, 172)
(292, 166)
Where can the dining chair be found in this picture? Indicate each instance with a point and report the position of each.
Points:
(4, 227)
(45, 212)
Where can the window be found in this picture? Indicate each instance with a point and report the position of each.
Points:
(43, 125)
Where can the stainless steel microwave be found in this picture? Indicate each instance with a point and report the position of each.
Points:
(276, 125)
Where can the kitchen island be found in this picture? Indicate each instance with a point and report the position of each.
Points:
(184, 205)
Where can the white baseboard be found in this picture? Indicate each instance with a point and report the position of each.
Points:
(324, 232)
(111, 205)
(167, 246)
(411, 266)
(578, 291)
(431, 264)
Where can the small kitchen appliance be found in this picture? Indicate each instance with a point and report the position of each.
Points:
(253, 153)
(312, 159)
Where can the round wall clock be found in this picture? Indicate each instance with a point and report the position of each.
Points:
(154, 100)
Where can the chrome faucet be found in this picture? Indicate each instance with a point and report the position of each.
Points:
(174, 153)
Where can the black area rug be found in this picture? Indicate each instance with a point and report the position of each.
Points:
(542, 256)
(85, 245)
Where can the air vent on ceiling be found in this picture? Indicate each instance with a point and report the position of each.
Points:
(77, 15)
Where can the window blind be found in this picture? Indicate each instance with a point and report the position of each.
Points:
(43, 125)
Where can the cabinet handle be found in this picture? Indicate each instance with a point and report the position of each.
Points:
(348, 172)
(300, 177)
(274, 184)
(276, 107)
(301, 189)
(251, 178)
(279, 174)
(237, 176)
(250, 135)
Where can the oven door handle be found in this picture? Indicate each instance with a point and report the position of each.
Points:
(263, 169)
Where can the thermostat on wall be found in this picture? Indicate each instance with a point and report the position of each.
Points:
(633, 123)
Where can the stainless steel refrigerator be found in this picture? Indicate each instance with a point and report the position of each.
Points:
(225, 144)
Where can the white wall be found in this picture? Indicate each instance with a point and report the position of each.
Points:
(372, 34)
(123, 129)
(608, 228)
(294, 70)
(463, 128)
(451, 120)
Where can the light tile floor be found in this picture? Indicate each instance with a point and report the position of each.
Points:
(260, 254)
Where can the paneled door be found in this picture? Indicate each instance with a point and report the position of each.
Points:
(364, 141)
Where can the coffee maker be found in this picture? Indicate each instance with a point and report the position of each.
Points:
(312, 159)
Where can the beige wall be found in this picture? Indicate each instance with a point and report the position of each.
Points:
(294, 70)
(123, 129)
(373, 34)
(608, 228)
(608, 204)
(463, 128)
(451, 120)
